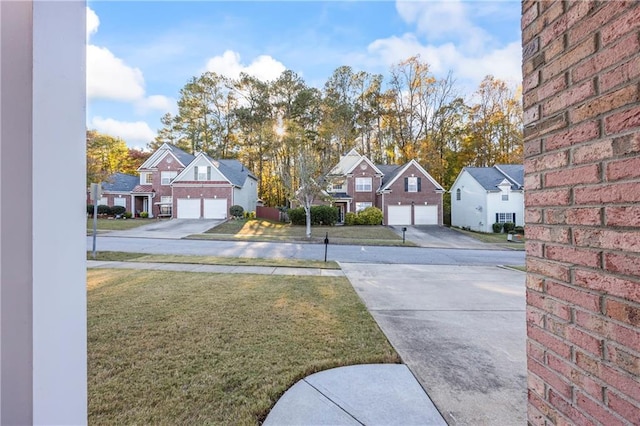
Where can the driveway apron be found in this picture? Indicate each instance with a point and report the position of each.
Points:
(168, 228)
(436, 236)
(461, 331)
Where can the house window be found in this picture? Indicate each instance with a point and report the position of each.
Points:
(363, 184)
(505, 197)
(337, 187)
(202, 173)
(458, 194)
(363, 205)
(148, 178)
(412, 184)
(167, 177)
(505, 217)
(120, 201)
(103, 201)
(165, 205)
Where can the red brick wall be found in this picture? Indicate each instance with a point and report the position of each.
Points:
(427, 193)
(581, 69)
(363, 169)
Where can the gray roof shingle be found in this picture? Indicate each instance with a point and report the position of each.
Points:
(235, 171)
(184, 157)
(389, 171)
(120, 182)
(490, 177)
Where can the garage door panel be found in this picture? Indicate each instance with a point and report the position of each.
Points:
(215, 208)
(426, 215)
(188, 208)
(399, 215)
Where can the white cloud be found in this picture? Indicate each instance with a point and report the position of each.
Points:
(156, 102)
(93, 22)
(447, 37)
(108, 77)
(136, 133)
(263, 67)
(437, 20)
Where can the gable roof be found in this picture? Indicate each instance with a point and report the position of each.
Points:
(389, 171)
(232, 170)
(388, 180)
(491, 177)
(235, 171)
(120, 182)
(183, 157)
(349, 161)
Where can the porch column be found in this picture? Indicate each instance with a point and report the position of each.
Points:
(150, 205)
(43, 352)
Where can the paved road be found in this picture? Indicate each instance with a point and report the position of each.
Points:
(341, 253)
(461, 331)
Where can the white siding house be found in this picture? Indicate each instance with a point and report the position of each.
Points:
(482, 196)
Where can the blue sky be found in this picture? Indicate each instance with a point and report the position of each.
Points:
(140, 54)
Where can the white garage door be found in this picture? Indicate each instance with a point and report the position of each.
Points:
(215, 208)
(120, 202)
(399, 215)
(188, 209)
(426, 215)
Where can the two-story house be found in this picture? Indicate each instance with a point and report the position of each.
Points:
(174, 183)
(407, 194)
(482, 196)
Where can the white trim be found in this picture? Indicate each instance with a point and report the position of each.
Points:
(184, 174)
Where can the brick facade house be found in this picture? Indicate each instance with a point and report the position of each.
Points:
(407, 194)
(176, 184)
(581, 69)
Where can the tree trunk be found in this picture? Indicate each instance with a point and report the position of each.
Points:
(307, 210)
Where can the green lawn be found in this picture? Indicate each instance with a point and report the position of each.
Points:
(264, 230)
(120, 256)
(117, 224)
(188, 348)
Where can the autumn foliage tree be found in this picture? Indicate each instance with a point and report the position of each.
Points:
(410, 114)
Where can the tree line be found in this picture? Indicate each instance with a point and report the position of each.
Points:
(276, 128)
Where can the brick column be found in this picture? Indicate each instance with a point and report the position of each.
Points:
(581, 69)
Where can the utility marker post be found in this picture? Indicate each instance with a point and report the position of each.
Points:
(326, 245)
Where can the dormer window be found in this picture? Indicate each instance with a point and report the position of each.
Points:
(148, 178)
(202, 173)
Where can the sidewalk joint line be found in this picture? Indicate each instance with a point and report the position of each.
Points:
(333, 402)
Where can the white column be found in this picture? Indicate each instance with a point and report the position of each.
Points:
(43, 378)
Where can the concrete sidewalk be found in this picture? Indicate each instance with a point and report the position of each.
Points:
(370, 394)
(220, 269)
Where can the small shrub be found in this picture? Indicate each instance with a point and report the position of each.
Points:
(508, 227)
(370, 216)
(324, 215)
(90, 209)
(144, 215)
(320, 215)
(103, 209)
(236, 211)
(497, 227)
(519, 230)
(350, 218)
(128, 215)
(118, 210)
(297, 216)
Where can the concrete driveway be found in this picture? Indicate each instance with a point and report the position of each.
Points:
(461, 331)
(168, 228)
(436, 236)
